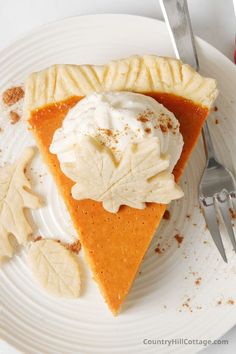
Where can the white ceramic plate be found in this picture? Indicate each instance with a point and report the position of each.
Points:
(184, 292)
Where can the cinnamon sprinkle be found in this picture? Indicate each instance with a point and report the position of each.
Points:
(157, 249)
(12, 95)
(38, 238)
(232, 213)
(74, 247)
(163, 128)
(142, 119)
(148, 130)
(14, 117)
(179, 239)
(230, 302)
(107, 132)
(198, 281)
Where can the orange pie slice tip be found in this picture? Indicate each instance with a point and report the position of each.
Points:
(115, 244)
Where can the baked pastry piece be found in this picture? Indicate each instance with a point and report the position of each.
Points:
(115, 244)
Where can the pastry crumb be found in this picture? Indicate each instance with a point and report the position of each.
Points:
(14, 117)
(216, 121)
(13, 95)
(166, 215)
(215, 109)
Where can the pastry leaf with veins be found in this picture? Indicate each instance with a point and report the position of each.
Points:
(141, 175)
(15, 196)
(55, 267)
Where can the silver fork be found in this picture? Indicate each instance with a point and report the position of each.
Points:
(217, 186)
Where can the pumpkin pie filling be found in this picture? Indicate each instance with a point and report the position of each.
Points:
(114, 244)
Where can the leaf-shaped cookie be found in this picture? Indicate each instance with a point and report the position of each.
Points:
(15, 196)
(141, 175)
(55, 267)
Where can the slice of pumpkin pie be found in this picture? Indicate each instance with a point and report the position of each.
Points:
(116, 139)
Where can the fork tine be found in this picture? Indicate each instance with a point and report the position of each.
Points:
(211, 221)
(224, 206)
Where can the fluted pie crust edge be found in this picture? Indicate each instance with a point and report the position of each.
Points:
(148, 73)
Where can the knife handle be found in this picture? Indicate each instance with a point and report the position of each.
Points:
(177, 19)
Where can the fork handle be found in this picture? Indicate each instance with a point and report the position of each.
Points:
(178, 22)
(208, 145)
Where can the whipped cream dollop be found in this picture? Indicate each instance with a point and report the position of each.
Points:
(117, 119)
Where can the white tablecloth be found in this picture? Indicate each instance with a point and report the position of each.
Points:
(19, 16)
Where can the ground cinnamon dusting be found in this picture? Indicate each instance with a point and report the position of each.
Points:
(142, 119)
(179, 239)
(164, 128)
(148, 130)
(230, 302)
(108, 132)
(232, 213)
(38, 238)
(14, 117)
(158, 249)
(74, 247)
(166, 215)
(12, 95)
(198, 281)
